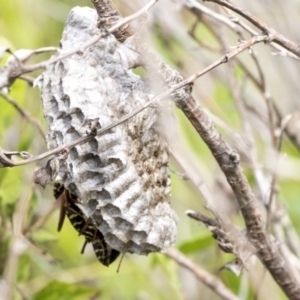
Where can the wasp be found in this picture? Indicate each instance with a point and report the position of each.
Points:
(83, 225)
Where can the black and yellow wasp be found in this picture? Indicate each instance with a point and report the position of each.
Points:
(83, 225)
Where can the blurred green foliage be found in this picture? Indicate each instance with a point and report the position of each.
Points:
(52, 267)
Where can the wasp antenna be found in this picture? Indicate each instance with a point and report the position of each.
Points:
(119, 265)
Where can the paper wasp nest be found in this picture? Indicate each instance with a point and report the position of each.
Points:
(122, 176)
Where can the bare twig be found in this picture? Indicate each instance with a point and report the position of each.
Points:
(260, 86)
(197, 9)
(28, 79)
(24, 114)
(228, 160)
(196, 180)
(15, 65)
(18, 244)
(38, 251)
(108, 13)
(6, 162)
(201, 43)
(91, 42)
(273, 34)
(193, 5)
(42, 220)
(16, 70)
(259, 83)
(203, 276)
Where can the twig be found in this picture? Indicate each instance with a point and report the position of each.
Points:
(16, 70)
(42, 220)
(292, 236)
(108, 13)
(260, 87)
(196, 6)
(92, 41)
(273, 34)
(201, 43)
(228, 160)
(18, 244)
(198, 9)
(203, 276)
(243, 46)
(23, 296)
(260, 284)
(28, 79)
(38, 251)
(277, 135)
(15, 65)
(196, 180)
(24, 114)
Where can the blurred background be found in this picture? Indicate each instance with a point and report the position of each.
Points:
(253, 101)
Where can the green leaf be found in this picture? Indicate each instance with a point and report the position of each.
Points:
(196, 244)
(64, 291)
(10, 185)
(23, 268)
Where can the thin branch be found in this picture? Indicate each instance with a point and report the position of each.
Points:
(16, 70)
(30, 119)
(229, 163)
(92, 41)
(6, 162)
(228, 160)
(15, 65)
(38, 251)
(196, 6)
(18, 244)
(108, 14)
(196, 180)
(273, 34)
(198, 9)
(42, 220)
(28, 79)
(259, 85)
(201, 43)
(203, 276)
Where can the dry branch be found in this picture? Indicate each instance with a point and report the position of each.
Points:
(203, 276)
(16, 68)
(24, 114)
(265, 28)
(232, 23)
(227, 158)
(18, 244)
(228, 161)
(169, 75)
